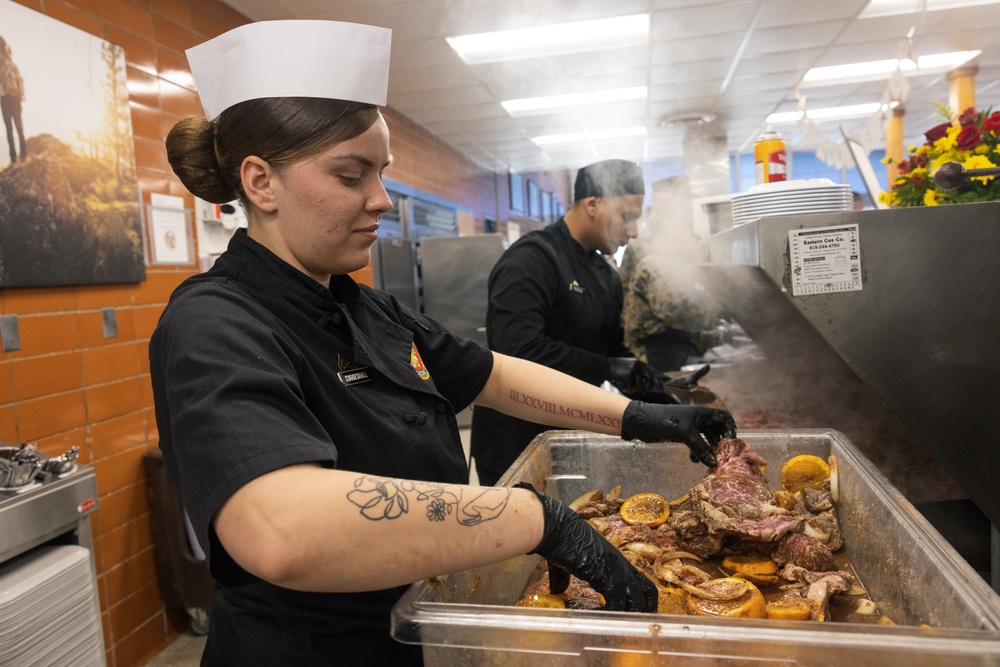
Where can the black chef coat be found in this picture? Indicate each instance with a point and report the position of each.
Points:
(255, 367)
(553, 303)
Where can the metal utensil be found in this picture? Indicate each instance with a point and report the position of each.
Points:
(20, 466)
(63, 463)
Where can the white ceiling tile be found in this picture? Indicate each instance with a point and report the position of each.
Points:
(695, 47)
(416, 53)
(700, 71)
(792, 38)
(682, 23)
(432, 78)
(782, 13)
(794, 61)
(469, 95)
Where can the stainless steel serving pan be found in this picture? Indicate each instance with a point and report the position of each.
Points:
(913, 574)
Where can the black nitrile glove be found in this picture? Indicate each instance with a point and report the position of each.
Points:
(631, 376)
(698, 427)
(572, 546)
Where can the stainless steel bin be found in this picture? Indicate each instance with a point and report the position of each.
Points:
(945, 613)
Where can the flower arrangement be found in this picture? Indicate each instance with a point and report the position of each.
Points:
(970, 139)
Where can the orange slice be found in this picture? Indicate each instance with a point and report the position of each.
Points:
(759, 570)
(545, 600)
(749, 604)
(750, 564)
(645, 509)
(789, 609)
(804, 470)
(671, 601)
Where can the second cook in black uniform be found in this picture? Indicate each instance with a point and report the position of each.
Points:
(555, 299)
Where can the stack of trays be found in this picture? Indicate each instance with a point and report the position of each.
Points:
(815, 195)
(49, 612)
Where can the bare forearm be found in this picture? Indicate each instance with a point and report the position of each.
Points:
(315, 529)
(535, 393)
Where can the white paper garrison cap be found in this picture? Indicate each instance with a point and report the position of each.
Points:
(327, 59)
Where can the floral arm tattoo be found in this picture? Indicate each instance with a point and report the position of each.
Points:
(381, 498)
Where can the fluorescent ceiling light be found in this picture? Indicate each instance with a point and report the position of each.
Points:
(892, 7)
(830, 113)
(538, 105)
(550, 40)
(576, 137)
(882, 69)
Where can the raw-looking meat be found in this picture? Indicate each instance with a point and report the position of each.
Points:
(735, 500)
(804, 551)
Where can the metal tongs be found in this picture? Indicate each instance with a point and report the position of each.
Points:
(687, 380)
(681, 389)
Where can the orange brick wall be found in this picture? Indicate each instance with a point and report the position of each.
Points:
(68, 385)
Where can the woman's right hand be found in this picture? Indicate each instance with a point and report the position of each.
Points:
(572, 546)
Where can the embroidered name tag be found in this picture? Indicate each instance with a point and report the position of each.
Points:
(354, 376)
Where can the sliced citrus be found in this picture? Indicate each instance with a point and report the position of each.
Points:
(750, 564)
(645, 509)
(789, 609)
(749, 604)
(546, 600)
(671, 601)
(804, 470)
(759, 570)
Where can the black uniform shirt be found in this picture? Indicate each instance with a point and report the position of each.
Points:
(553, 303)
(255, 367)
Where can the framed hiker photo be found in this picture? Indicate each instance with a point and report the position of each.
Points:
(69, 202)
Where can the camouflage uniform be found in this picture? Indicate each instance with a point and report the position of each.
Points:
(656, 302)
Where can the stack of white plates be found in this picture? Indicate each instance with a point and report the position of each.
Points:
(49, 612)
(814, 195)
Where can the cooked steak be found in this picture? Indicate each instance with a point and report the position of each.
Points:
(805, 552)
(735, 500)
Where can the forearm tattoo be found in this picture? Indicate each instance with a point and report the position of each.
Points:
(564, 410)
(381, 498)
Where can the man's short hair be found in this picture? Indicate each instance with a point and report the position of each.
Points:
(609, 178)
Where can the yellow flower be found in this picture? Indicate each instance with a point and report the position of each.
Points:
(931, 197)
(954, 130)
(925, 149)
(979, 162)
(911, 148)
(886, 197)
(945, 143)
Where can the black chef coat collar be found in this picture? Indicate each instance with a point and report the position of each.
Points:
(342, 288)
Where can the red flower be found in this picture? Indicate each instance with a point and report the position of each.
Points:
(992, 124)
(968, 138)
(937, 132)
(918, 160)
(904, 167)
(968, 117)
